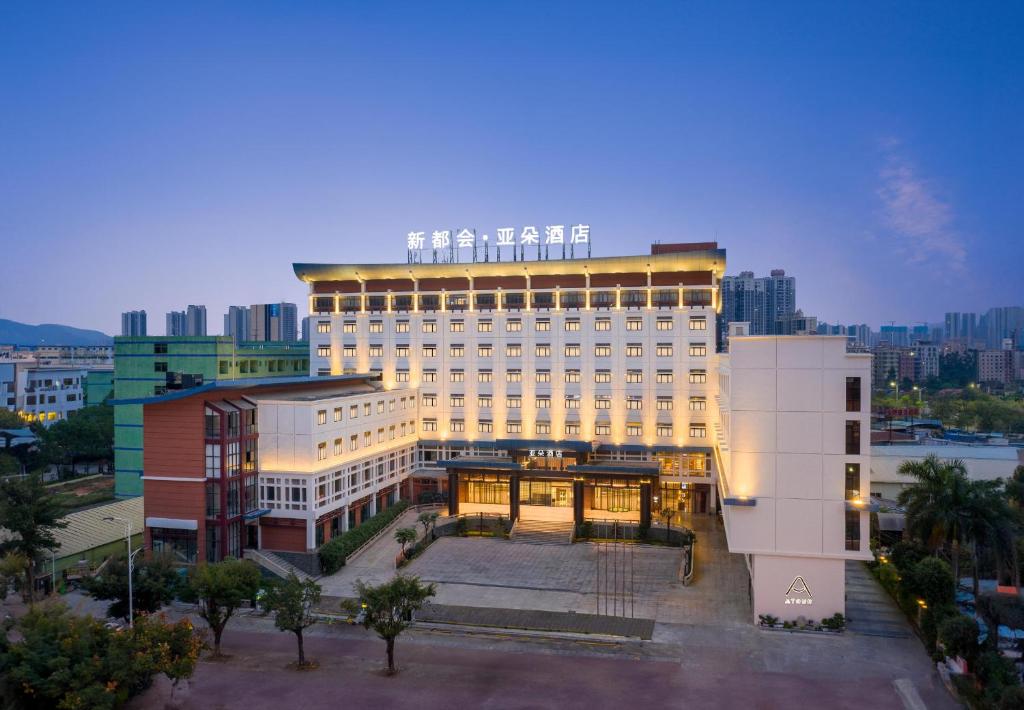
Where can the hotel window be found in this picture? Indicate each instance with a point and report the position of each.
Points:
(698, 377)
(348, 351)
(663, 350)
(367, 438)
(391, 432)
(348, 326)
(571, 429)
(430, 326)
(852, 481)
(457, 326)
(429, 400)
(429, 425)
(484, 401)
(353, 411)
(853, 394)
(603, 324)
(698, 350)
(213, 460)
(698, 404)
(665, 324)
(367, 409)
(664, 404)
(543, 350)
(337, 414)
(602, 403)
(402, 431)
(353, 442)
(429, 351)
(853, 438)
(456, 400)
(635, 377)
(514, 402)
(543, 427)
(634, 324)
(402, 326)
(376, 326)
(457, 425)
(634, 403)
(484, 376)
(852, 530)
(542, 324)
(321, 451)
(572, 350)
(456, 350)
(603, 350)
(339, 447)
(457, 376)
(401, 351)
(664, 430)
(634, 430)
(664, 377)
(572, 402)
(321, 416)
(484, 350)
(514, 376)
(430, 375)
(323, 326)
(514, 427)
(484, 326)
(513, 325)
(572, 376)
(542, 403)
(634, 350)
(603, 429)
(698, 431)
(602, 376)
(542, 376)
(485, 426)
(698, 323)
(513, 350)
(572, 324)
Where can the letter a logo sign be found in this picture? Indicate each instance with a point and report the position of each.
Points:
(799, 592)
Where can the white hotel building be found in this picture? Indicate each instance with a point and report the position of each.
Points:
(590, 389)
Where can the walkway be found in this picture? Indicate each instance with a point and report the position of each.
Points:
(869, 608)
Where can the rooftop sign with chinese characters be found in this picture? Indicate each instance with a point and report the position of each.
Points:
(449, 246)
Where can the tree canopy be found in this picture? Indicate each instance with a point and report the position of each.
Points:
(292, 602)
(154, 583)
(387, 608)
(31, 515)
(219, 588)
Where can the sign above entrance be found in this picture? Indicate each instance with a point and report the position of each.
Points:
(452, 246)
(549, 453)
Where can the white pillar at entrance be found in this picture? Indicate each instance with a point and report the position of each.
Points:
(344, 519)
(373, 505)
(712, 497)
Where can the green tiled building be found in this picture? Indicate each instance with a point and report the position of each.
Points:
(143, 366)
(98, 385)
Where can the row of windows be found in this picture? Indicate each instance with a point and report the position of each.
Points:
(402, 429)
(486, 401)
(350, 480)
(633, 429)
(514, 325)
(516, 350)
(367, 408)
(695, 377)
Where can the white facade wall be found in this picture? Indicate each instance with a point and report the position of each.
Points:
(42, 393)
(367, 342)
(782, 446)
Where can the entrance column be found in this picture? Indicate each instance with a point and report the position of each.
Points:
(577, 500)
(513, 497)
(453, 493)
(645, 502)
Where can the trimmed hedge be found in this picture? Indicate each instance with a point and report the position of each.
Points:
(334, 552)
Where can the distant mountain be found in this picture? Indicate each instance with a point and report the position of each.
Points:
(14, 333)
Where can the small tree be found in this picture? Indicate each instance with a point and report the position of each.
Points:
(428, 520)
(666, 513)
(404, 536)
(387, 608)
(218, 589)
(154, 583)
(31, 515)
(959, 636)
(12, 567)
(292, 603)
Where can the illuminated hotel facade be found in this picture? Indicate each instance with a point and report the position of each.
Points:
(553, 390)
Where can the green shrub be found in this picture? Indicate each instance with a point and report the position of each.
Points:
(836, 622)
(768, 619)
(959, 636)
(930, 579)
(889, 578)
(907, 553)
(461, 526)
(334, 553)
(585, 531)
(996, 673)
(932, 618)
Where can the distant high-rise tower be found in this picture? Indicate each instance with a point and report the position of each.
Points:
(133, 323)
(236, 323)
(961, 327)
(277, 322)
(768, 303)
(175, 323)
(195, 320)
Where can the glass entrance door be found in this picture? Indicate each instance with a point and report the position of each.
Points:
(556, 494)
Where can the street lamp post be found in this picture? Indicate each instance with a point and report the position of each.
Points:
(131, 557)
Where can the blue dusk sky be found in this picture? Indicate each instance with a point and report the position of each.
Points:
(154, 155)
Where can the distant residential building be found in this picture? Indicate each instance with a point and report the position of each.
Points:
(47, 393)
(133, 323)
(996, 366)
(1001, 323)
(796, 324)
(961, 327)
(926, 360)
(896, 336)
(236, 323)
(274, 322)
(175, 324)
(761, 301)
(188, 322)
(891, 364)
(305, 329)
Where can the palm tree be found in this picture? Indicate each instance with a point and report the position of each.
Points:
(986, 521)
(936, 503)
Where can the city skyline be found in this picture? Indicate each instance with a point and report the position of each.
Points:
(883, 182)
